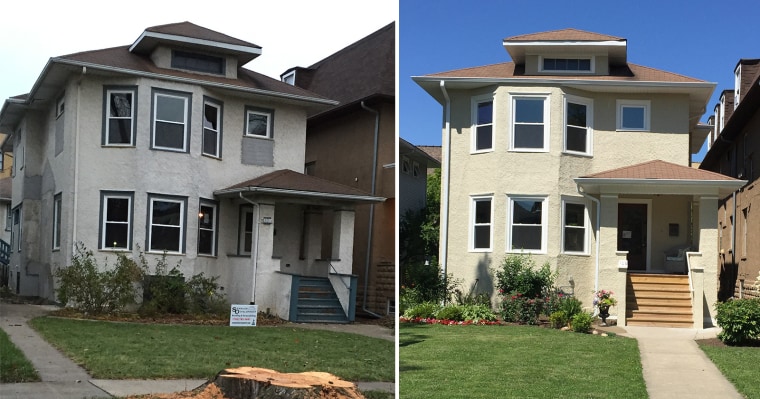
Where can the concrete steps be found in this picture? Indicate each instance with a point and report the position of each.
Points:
(658, 300)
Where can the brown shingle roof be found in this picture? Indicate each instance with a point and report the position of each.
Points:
(434, 151)
(563, 35)
(192, 30)
(505, 70)
(285, 179)
(660, 170)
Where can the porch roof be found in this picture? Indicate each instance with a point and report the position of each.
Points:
(659, 177)
(287, 183)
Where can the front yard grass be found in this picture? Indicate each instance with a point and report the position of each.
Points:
(14, 366)
(117, 350)
(739, 364)
(515, 362)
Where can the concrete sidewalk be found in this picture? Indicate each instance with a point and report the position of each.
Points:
(62, 378)
(675, 367)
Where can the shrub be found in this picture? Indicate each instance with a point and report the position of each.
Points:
(559, 319)
(204, 297)
(473, 299)
(518, 275)
(520, 309)
(581, 322)
(424, 310)
(92, 291)
(477, 313)
(739, 319)
(424, 283)
(571, 306)
(450, 312)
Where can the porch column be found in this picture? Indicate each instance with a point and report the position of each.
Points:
(612, 273)
(312, 236)
(707, 297)
(264, 266)
(343, 240)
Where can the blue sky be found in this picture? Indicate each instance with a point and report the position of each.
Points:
(700, 39)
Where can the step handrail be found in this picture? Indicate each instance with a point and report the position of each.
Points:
(334, 271)
(688, 273)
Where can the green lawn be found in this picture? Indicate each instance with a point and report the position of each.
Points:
(740, 365)
(14, 366)
(516, 362)
(111, 350)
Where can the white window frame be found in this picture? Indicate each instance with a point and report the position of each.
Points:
(544, 222)
(182, 222)
(214, 226)
(246, 211)
(644, 104)
(218, 130)
(513, 98)
(57, 202)
(108, 117)
(59, 106)
(591, 70)
(105, 196)
(589, 104)
(185, 122)
(474, 103)
(586, 224)
(259, 111)
(737, 85)
(406, 166)
(473, 201)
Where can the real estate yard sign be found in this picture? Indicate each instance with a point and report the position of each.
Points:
(243, 315)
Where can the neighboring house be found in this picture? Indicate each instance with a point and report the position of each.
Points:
(579, 158)
(169, 146)
(735, 151)
(412, 176)
(5, 233)
(353, 143)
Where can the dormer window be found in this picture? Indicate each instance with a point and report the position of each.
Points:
(197, 62)
(566, 65)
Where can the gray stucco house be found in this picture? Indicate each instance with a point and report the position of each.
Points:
(169, 145)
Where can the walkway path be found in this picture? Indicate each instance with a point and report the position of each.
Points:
(675, 367)
(62, 378)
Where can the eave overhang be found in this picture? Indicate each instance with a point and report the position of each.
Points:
(607, 186)
(616, 50)
(252, 192)
(150, 40)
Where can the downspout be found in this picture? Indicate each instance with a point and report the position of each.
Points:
(75, 205)
(444, 239)
(598, 238)
(371, 210)
(255, 249)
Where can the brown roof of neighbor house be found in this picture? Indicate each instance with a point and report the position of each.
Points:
(285, 181)
(434, 151)
(363, 69)
(192, 30)
(659, 170)
(631, 72)
(563, 35)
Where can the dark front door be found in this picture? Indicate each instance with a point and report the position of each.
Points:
(632, 234)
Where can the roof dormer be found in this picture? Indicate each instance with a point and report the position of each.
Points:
(567, 52)
(193, 48)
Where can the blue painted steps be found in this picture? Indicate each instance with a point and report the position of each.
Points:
(318, 303)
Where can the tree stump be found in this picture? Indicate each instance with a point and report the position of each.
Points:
(260, 383)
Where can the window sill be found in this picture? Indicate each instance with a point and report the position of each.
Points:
(165, 253)
(118, 146)
(167, 149)
(620, 129)
(207, 256)
(480, 250)
(247, 136)
(484, 151)
(529, 150)
(578, 154)
(211, 157)
(584, 254)
(533, 252)
(114, 250)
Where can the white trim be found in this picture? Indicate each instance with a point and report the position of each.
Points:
(268, 115)
(195, 42)
(589, 103)
(513, 97)
(648, 203)
(108, 117)
(218, 129)
(104, 222)
(472, 223)
(160, 198)
(586, 220)
(511, 198)
(184, 123)
(645, 104)
(474, 102)
(566, 43)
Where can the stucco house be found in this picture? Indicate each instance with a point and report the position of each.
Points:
(353, 143)
(576, 156)
(168, 145)
(733, 144)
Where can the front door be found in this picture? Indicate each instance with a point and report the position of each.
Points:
(632, 234)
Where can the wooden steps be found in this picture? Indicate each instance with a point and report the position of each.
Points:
(658, 300)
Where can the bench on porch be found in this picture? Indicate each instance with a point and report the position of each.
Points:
(675, 259)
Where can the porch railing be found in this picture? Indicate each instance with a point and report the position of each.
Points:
(334, 271)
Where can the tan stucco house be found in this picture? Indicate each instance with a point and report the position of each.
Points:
(168, 145)
(576, 156)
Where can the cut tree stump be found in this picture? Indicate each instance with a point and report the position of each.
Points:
(260, 383)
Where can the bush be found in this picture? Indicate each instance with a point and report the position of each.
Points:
(559, 319)
(450, 312)
(424, 283)
(520, 309)
(204, 297)
(581, 322)
(518, 275)
(92, 291)
(477, 313)
(739, 319)
(425, 310)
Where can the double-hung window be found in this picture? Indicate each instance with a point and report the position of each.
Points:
(578, 117)
(57, 222)
(245, 232)
(574, 226)
(530, 123)
(258, 122)
(481, 220)
(166, 224)
(527, 224)
(212, 129)
(482, 124)
(633, 115)
(171, 120)
(120, 106)
(116, 220)
(207, 226)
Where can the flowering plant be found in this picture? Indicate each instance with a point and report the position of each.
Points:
(604, 298)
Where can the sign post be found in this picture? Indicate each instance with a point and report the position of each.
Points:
(243, 315)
